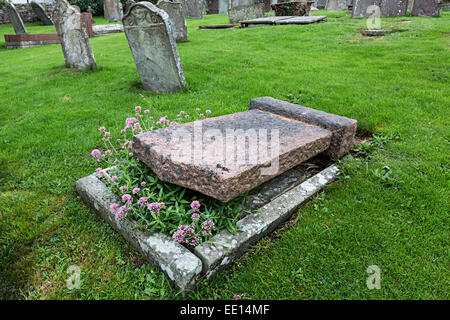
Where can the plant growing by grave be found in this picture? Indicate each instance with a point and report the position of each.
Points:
(156, 206)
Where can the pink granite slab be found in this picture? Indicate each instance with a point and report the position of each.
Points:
(219, 175)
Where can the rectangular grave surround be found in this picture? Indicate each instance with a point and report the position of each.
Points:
(30, 40)
(185, 268)
(282, 20)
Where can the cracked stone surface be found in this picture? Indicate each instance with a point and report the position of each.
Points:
(343, 128)
(225, 247)
(178, 263)
(176, 14)
(74, 39)
(41, 13)
(219, 156)
(15, 18)
(150, 37)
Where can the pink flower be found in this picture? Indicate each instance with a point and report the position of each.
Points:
(102, 129)
(208, 111)
(146, 111)
(113, 207)
(121, 212)
(136, 190)
(137, 127)
(143, 183)
(181, 112)
(126, 198)
(186, 234)
(137, 109)
(208, 224)
(96, 153)
(155, 207)
(195, 205)
(142, 201)
(114, 178)
(107, 134)
(186, 116)
(127, 145)
(100, 171)
(201, 115)
(195, 216)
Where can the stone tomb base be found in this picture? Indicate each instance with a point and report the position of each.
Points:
(15, 41)
(185, 268)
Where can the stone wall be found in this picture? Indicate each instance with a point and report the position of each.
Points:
(25, 11)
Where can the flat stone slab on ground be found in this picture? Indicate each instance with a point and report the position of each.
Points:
(283, 20)
(220, 163)
(104, 29)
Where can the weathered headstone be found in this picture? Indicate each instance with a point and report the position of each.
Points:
(426, 8)
(394, 8)
(321, 4)
(194, 9)
(150, 37)
(223, 6)
(240, 13)
(15, 18)
(74, 39)
(360, 8)
(229, 155)
(337, 5)
(128, 5)
(175, 12)
(292, 8)
(113, 10)
(41, 14)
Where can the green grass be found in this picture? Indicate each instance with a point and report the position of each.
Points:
(396, 87)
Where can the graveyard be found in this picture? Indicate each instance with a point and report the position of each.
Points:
(363, 171)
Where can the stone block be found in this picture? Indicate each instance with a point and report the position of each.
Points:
(176, 15)
(426, 8)
(240, 13)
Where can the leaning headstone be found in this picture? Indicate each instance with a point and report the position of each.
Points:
(150, 37)
(175, 12)
(15, 18)
(112, 10)
(426, 8)
(41, 14)
(74, 39)
(194, 9)
(240, 13)
(128, 5)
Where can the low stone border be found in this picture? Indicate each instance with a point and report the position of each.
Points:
(25, 40)
(183, 267)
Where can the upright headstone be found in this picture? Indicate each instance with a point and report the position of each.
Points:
(194, 9)
(42, 15)
(360, 8)
(336, 5)
(241, 13)
(15, 18)
(321, 4)
(426, 8)
(128, 5)
(394, 8)
(154, 49)
(410, 5)
(175, 12)
(223, 6)
(74, 39)
(112, 10)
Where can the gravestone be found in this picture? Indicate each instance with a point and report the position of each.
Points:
(41, 14)
(113, 10)
(426, 8)
(292, 8)
(74, 39)
(128, 5)
(226, 156)
(360, 8)
(15, 18)
(321, 4)
(241, 13)
(150, 37)
(194, 9)
(175, 12)
(394, 8)
(337, 5)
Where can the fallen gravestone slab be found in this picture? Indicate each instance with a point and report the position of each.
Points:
(150, 37)
(112, 10)
(239, 13)
(224, 171)
(104, 29)
(74, 39)
(282, 20)
(41, 13)
(218, 26)
(426, 8)
(176, 15)
(15, 18)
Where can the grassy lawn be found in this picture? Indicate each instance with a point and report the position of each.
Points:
(390, 208)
